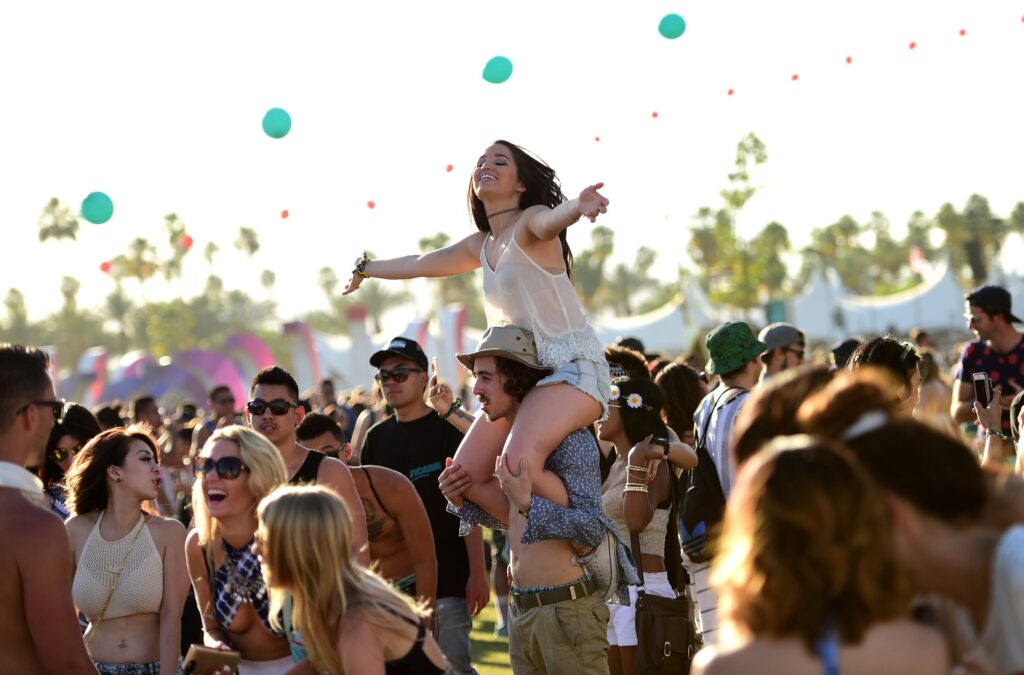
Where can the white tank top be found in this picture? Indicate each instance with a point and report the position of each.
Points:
(519, 292)
(652, 539)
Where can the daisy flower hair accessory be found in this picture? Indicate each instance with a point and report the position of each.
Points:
(635, 401)
(615, 392)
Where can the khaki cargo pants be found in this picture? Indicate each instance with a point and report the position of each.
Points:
(566, 638)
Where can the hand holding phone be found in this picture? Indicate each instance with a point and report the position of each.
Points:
(983, 389)
(201, 660)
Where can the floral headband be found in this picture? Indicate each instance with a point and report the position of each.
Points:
(634, 400)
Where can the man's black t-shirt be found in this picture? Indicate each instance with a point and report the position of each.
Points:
(417, 450)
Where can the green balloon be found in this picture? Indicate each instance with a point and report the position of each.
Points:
(277, 123)
(498, 70)
(97, 208)
(672, 26)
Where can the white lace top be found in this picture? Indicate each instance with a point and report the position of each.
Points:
(519, 292)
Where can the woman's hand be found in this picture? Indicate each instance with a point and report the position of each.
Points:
(992, 416)
(453, 481)
(647, 455)
(439, 396)
(592, 203)
(518, 489)
(355, 279)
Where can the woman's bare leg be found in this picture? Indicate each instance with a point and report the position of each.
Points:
(476, 454)
(546, 416)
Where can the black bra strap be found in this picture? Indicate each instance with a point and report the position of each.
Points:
(376, 496)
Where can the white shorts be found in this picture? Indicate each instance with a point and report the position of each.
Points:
(622, 622)
(275, 667)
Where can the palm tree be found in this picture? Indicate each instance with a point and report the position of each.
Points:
(209, 252)
(140, 263)
(248, 241)
(57, 222)
(267, 280)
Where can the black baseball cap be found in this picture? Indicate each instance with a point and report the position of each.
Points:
(995, 298)
(403, 347)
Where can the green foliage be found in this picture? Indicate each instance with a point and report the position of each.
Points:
(57, 222)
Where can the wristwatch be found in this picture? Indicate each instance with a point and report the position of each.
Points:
(664, 443)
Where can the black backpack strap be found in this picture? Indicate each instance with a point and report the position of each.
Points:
(702, 438)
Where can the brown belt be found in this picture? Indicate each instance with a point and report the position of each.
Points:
(574, 591)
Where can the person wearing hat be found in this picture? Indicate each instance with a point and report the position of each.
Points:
(786, 346)
(998, 351)
(735, 357)
(550, 587)
(415, 442)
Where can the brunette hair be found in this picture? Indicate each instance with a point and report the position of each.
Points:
(771, 409)
(24, 375)
(644, 420)
(81, 425)
(519, 379)
(542, 187)
(86, 480)
(927, 467)
(315, 424)
(899, 358)
(279, 376)
(806, 542)
(629, 361)
(683, 390)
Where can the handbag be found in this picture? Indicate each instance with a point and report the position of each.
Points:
(666, 628)
(703, 498)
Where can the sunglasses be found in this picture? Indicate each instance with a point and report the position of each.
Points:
(58, 455)
(278, 406)
(56, 406)
(227, 467)
(399, 375)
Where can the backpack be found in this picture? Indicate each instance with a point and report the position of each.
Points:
(703, 499)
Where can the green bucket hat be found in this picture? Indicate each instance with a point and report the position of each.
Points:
(731, 346)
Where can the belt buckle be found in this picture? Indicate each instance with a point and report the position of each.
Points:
(572, 591)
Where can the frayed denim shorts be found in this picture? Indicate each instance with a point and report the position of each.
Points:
(590, 377)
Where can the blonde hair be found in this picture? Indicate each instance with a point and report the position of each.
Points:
(806, 542)
(266, 471)
(306, 541)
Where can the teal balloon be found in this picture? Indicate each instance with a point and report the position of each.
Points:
(97, 208)
(672, 26)
(277, 123)
(498, 70)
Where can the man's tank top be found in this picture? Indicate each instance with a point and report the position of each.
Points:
(519, 292)
(140, 589)
(652, 539)
(306, 475)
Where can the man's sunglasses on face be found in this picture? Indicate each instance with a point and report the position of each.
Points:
(399, 375)
(277, 407)
(227, 467)
(58, 455)
(56, 406)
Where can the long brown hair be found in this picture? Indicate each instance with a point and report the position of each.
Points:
(542, 187)
(806, 543)
(86, 480)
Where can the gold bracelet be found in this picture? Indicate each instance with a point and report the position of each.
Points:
(635, 488)
(630, 467)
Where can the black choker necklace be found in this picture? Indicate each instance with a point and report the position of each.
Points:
(502, 212)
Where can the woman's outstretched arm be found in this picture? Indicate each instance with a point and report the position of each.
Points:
(546, 224)
(462, 256)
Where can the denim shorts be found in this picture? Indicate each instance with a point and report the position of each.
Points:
(590, 377)
(151, 668)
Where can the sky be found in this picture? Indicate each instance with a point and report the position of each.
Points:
(160, 105)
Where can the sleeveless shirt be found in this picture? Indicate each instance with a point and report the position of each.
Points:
(652, 539)
(141, 587)
(519, 292)
(306, 475)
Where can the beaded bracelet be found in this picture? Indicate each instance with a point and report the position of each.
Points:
(361, 266)
(631, 467)
(998, 434)
(456, 404)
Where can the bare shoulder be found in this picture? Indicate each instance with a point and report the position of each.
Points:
(332, 470)
(166, 531)
(384, 476)
(78, 527)
(904, 646)
(193, 549)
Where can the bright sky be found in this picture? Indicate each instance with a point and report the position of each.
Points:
(159, 106)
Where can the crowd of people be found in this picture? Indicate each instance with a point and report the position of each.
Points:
(830, 509)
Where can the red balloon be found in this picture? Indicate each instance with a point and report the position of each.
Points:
(370, 205)
(449, 168)
(106, 266)
(913, 45)
(597, 139)
(795, 77)
(963, 32)
(186, 242)
(284, 214)
(849, 59)
(654, 115)
(730, 92)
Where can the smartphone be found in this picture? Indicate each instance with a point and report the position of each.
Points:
(202, 659)
(982, 389)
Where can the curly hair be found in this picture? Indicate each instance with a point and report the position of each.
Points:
(518, 379)
(806, 541)
(542, 187)
(86, 480)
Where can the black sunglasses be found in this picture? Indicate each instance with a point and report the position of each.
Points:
(56, 406)
(399, 375)
(278, 406)
(58, 455)
(227, 467)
